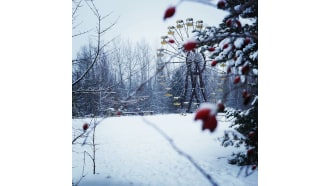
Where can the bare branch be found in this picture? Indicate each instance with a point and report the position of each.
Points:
(99, 32)
(74, 16)
(77, 6)
(93, 8)
(180, 152)
(106, 16)
(93, 91)
(81, 33)
(92, 129)
(88, 69)
(109, 27)
(75, 139)
(75, 26)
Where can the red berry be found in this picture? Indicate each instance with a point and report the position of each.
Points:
(85, 126)
(237, 79)
(171, 41)
(228, 22)
(202, 114)
(221, 5)
(247, 99)
(190, 45)
(251, 134)
(210, 123)
(245, 69)
(214, 62)
(169, 12)
(245, 93)
(247, 41)
(235, 58)
(249, 152)
(211, 49)
(254, 167)
(238, 24)
(221, 107)
(225, 46)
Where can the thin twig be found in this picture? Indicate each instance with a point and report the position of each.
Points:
(77, 6)
(82, 174)
(99, 33)
(77, 137)
(81, 33)
(180, 152)
(91, 129)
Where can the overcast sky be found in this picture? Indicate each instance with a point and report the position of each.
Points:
(142, 19)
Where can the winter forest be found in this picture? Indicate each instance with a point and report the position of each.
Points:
(200, 83)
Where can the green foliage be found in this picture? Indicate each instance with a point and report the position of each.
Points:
(245, 121)
(246, 124)
(239, 159)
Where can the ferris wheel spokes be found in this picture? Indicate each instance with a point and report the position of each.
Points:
(186, 77)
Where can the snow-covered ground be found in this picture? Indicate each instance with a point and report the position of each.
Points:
(132, 152)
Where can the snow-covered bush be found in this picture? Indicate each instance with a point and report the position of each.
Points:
(234, 44)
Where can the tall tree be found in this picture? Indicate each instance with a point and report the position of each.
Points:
(235, 45)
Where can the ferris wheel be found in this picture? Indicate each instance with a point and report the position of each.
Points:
(182, 72)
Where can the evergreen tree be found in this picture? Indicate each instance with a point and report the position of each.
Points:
(244, 64)
(234, 44)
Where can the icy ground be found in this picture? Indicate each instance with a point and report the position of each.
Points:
(131, 152)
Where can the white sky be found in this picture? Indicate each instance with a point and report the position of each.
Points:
(142, 19)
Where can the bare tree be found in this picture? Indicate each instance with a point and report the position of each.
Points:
(100, 31)
(76, 5)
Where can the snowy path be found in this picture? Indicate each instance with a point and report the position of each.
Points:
(130, 152)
